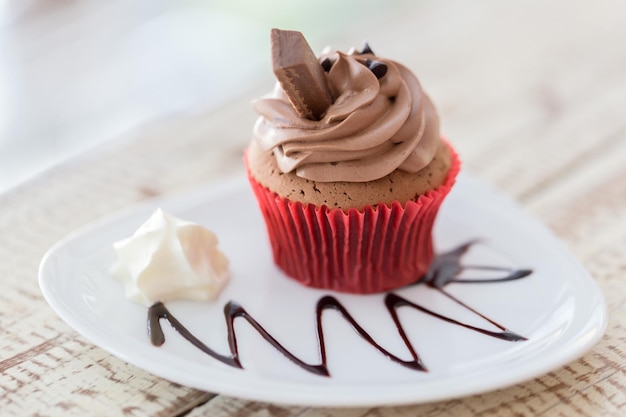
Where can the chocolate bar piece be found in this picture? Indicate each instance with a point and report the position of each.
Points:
(300, 74)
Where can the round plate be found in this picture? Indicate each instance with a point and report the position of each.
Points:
(558, 308)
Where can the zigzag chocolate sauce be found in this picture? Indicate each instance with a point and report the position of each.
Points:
(445, 270)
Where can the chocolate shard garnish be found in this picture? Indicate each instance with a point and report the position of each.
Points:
(367, 50)
(378, 68)
(300, 74)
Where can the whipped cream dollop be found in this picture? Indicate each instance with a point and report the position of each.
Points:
(375, 125)
(169, 258)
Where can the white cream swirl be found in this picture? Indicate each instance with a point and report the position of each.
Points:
(169, 258)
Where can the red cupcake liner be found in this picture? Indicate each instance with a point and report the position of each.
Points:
(363, 251)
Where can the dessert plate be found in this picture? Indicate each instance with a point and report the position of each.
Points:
(520, 307)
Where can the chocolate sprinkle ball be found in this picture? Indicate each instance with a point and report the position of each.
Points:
(326, 64)
(378, 68)
(367, 50)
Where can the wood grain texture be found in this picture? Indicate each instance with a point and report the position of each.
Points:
(533, 96)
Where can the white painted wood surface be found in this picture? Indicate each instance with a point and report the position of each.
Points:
(533, 95)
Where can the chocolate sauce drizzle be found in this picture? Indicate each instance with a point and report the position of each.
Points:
(445, 269)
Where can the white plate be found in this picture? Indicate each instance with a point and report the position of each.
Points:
(558, 308)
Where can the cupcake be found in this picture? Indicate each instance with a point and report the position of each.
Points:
(348, 167)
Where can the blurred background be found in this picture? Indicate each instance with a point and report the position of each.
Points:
(76, 73)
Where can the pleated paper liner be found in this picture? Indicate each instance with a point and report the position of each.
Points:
(363, 251)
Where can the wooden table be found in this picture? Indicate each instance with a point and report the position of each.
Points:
(533, 95)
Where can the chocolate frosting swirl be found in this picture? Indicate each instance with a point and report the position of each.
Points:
(373, 127)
